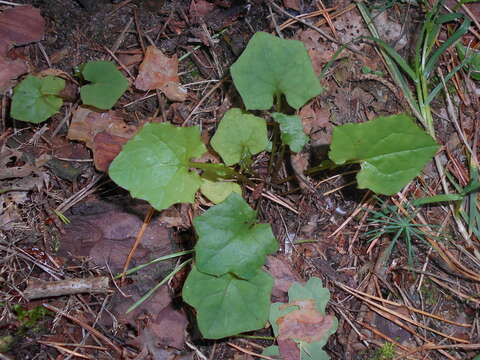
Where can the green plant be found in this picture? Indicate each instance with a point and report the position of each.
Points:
(392, 150)
(302, 322)
(35, 99)
(29, 318)
(231, 248)
(107, 84)
(386, 352)
(389, 220)
(474, 60)
(227, 285)
(426, 58)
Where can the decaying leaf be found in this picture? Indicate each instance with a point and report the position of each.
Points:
(305, 324)
(199, 10)
(18, 26)
(158, 71)
(21, 25)
(103, 132)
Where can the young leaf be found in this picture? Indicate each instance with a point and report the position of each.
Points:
(313, 289)
(292, 132)
(392, 151)
(271, 66)
(227, 305)
(217, 191)
(230, 241)
(107, 84)
(239, 134)
(35, 99)
(154, 164)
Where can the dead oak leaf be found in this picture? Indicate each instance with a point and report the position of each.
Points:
(158, 71)
(306, 324)
(103, 132)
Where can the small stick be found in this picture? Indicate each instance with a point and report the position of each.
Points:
(249, 352)
(87, 327)
(42, 289)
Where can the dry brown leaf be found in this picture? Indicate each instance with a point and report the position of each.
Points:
(306, 324)
(284, 277)
(103, 132)
(158, 71)
(199, 10)
(292, 4)
(21, 25)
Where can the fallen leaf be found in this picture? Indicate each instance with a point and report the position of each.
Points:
(199, 10)
(283, 275)
(21, 25)
(18, 26)
(8, 164)
(169, 327)
(316, 123)
(158, 71)
(319, 50)
(306, 324)
(103, 132)
(288, 349)
(292, 4)
(10, 69)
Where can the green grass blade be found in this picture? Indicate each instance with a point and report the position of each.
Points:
(152, 290)
(437, 199)
(154, 261)
(437, 88)
(395, 56)
(462, 30)
(395, 72)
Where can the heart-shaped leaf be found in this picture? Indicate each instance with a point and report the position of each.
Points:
(291, 129)
(230, 241)
(154, 164)
(238, 135)
(35, 99)
(271, 66)
(217, 191)
(227, 305)
(107, 84)
(392, 150)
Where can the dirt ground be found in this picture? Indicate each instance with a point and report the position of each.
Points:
(61, 218)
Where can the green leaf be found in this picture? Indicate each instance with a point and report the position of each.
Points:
(314, 351)
(154, 164)
(35, 99)
(277, 310)
(437, 199)
(292, 132)
(271, 66)
(271, 351)
(238, 135)
(228, 305)
(230, 241)
(217, 191)
(313, 289)
(473, 58)
(392, 151)
(107, 84)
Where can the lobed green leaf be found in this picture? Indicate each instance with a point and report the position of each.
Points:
(227, 305)
(292, 132)
(271, 66)
(392, 150)
(155, 164)
(238, 135)
(35, 99)
(230, 241)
